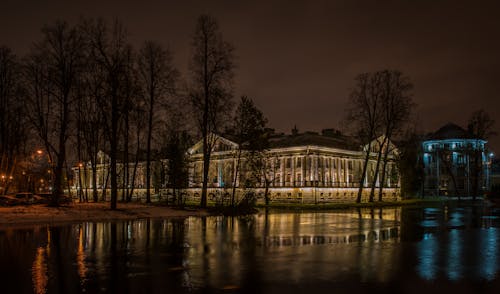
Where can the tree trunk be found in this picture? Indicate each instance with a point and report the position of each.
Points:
(377, 167)
(206, 164)
(114, 151)
(382, 181)
(94, 179)
(235, 176)
(363, 173)
(266, 193)
(148, 150)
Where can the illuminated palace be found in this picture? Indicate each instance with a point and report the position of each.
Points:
(455, 163)
(305, 167)
(302, 167)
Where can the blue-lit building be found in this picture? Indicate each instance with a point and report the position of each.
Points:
(455, 163)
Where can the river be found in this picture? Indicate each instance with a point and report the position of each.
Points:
(394, 250)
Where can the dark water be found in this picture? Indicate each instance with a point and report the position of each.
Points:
(391, 250)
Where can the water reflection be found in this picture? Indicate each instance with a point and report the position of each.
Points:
(255, 253)
(458, 243)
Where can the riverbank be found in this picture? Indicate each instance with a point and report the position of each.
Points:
(430, 201)
(80, 212)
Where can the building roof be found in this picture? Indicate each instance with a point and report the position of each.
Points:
(449, 131)
(312, 138)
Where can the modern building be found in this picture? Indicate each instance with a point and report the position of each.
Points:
(455, 163)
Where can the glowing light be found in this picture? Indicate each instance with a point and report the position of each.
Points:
(39, 152)
(39, 271)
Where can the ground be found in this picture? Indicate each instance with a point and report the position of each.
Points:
(78, 212)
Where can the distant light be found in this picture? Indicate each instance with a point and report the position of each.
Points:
(454, 145)
(491, 154)
(429, 147)
(39, 151)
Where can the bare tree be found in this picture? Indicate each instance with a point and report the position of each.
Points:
(111, 53)
(211, 71)
(248, 130)
(264, 167)
(480, 127)
(53, 74)
(138, 119)
(13, 129)
(365, 116)
(158, 79)
(178, 142)
(397, 105)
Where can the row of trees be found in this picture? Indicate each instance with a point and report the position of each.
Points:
(84, 87)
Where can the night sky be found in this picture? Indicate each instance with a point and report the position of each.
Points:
(297, 59)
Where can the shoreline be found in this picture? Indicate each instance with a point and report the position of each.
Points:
(41, 214)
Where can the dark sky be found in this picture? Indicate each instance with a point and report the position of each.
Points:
(297, 59)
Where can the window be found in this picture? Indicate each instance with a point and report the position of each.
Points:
(299, 162)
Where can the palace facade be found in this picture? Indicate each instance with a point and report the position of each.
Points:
(301, 167)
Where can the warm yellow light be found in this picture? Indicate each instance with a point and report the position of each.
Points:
(39, 151)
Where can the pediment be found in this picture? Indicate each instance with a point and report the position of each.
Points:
(382, 142)
(221, 144)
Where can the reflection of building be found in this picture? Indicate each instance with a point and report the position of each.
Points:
(301, 167)
(455, 163)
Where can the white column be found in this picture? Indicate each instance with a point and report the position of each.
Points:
(303, 175)
(337, 178)
(282, 171)
(347, 171)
